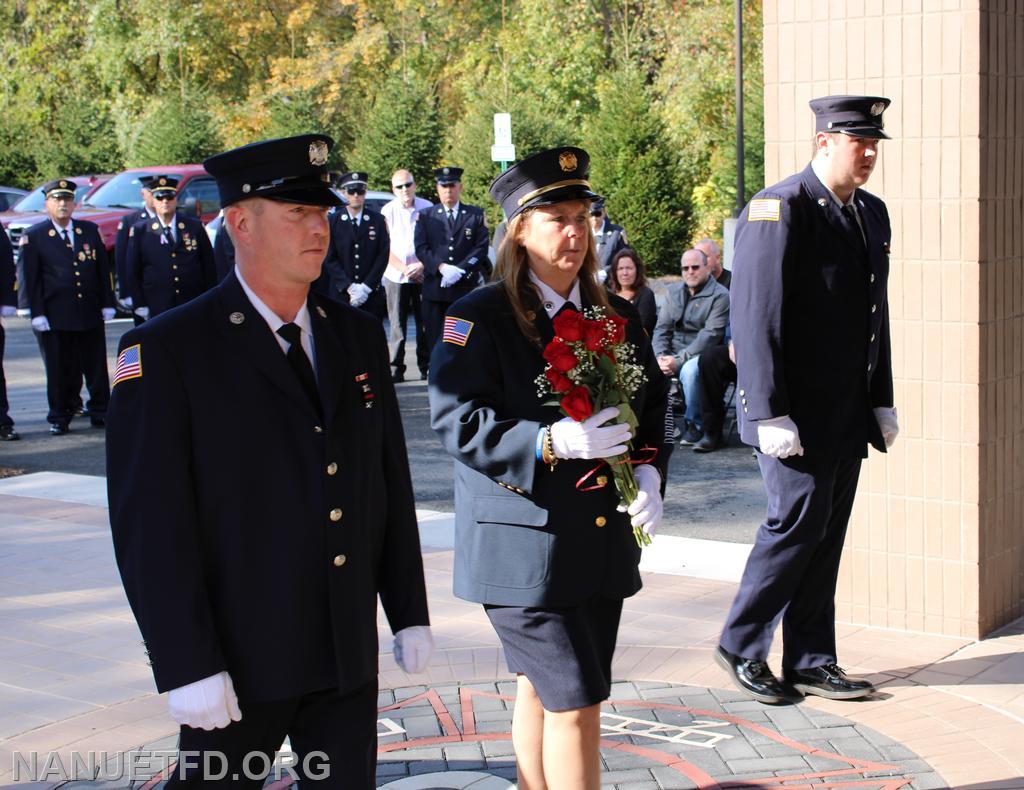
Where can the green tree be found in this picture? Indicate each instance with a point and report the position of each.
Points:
(175, 130)
(402, 131)
(634, 166)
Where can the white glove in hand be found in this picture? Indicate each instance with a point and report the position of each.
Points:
(647, 508)
(8, 309)
(127, 301)
(601, 275)
(449, 274)
(142, 312)
(108, 313)
(413, 647)
(356, 297)
(779, 437)
(207, 704)
(886, 418)
(41, 324)
(589, 439)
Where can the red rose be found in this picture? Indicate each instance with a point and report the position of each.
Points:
(569, 325)
(558, 382)
(620, 328)
(594, 335)
(560, 356)
(577, 404)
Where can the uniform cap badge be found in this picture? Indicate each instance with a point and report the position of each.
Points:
(877, 108)
(318, 153)
(247, 188)
(236, 318)
(445, 170)
(63, 184)
(163, 182)
(567, 161)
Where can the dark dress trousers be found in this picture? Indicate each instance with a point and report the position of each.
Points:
(121, 242)
(525, 535)
(461, 243)
(70, 287)
(165, 273)
(358, 254)
(8, 297)
(810, 323)
(224, 534)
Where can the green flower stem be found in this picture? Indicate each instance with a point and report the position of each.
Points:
(626, 485)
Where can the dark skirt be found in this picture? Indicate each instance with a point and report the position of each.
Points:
(565, 652)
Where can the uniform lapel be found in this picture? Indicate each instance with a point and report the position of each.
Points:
(58, 244)
(334, 359)
(249, 333)
(827, 206)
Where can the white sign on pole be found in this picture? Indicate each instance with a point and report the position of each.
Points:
(503, 153)
(502, 128)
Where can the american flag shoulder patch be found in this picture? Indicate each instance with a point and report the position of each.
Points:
(764, 210)
(456, 330)
(129, 365)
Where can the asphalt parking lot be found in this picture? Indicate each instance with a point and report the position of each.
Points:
(717, 496)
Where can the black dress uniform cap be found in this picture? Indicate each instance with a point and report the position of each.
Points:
(288, 169)
(859, 116)
(597, 206)
(448, 175)
(59, 186)
(162, 183)
(347, 179)
(547, 177)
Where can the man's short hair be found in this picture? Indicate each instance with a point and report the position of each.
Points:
(702, 254)
(714, 246)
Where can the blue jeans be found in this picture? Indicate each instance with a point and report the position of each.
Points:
(688, 380)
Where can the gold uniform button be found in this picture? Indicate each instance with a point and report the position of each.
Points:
(79, 296)
(177, 279)
(336, 514)
(175, 267)
(600, 521)
(340, 560)
(332, 468)
(317, 429)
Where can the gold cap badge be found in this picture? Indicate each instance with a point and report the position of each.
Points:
(877, 108)
(318, 153)
(567, 161)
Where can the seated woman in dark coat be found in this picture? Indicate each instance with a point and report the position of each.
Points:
(627, 278)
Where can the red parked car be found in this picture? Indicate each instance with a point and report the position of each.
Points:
(31, 208)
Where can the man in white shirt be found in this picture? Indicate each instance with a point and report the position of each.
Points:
(403, 278)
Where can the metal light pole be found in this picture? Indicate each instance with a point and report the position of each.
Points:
(740, 186)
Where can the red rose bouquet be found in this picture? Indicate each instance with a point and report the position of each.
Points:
(591, 366)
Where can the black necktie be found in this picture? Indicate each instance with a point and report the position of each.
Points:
(451, 218)
(169, 235)
(67, 240)
(299, 361)
(851, 217)
(566, 307)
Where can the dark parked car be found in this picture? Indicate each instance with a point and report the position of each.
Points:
(9, 196)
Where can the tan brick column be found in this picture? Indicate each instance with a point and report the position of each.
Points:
(937, 538)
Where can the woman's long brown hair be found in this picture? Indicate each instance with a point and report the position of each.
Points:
(512, 270)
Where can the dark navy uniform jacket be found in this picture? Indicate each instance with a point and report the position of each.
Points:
(228, 535)
(464, 244)
(223, 253)
(524, 534)
(810, 316)
(8, 291)
(357, 255)
(608, 241)
(69, 287)
(124, 228)
(164, 275)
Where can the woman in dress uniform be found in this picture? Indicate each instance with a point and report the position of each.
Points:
(550, 558)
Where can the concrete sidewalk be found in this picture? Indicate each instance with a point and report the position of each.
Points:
(73, 675)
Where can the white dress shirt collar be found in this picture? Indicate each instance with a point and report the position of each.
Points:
(551, 299)
(302, 320)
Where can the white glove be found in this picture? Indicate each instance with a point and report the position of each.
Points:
(886, 418)
(41, 324)
(646, 510)
(142, 312)
(108, 313)
(601, 275)
(779, 438)
(589, 439)
(207, 704)
(449, 274)
(8, 309)
(413, 647)
(356, 297)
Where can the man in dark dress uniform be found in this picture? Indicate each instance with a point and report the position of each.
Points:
(70, 294)
(223, 253)
(121, 241)
(810, 325)
(451, 242)
(358, 252)
(609, 238)
(170, 259)
(303, 522)
(8, 306)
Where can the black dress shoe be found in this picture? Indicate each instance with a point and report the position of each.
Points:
(58, 429)
(829, 681)
(398, 376)
(8, 434)
(690, 435)
(752, 677)
(709, 442)
(423, 375)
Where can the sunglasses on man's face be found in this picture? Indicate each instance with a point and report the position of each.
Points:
(693, 268)
(355, 190)
(163, 198)
(406, 185)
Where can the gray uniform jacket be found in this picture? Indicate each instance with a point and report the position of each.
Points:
(687, 326)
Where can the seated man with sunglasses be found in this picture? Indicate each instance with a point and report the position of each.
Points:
(358, 253)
